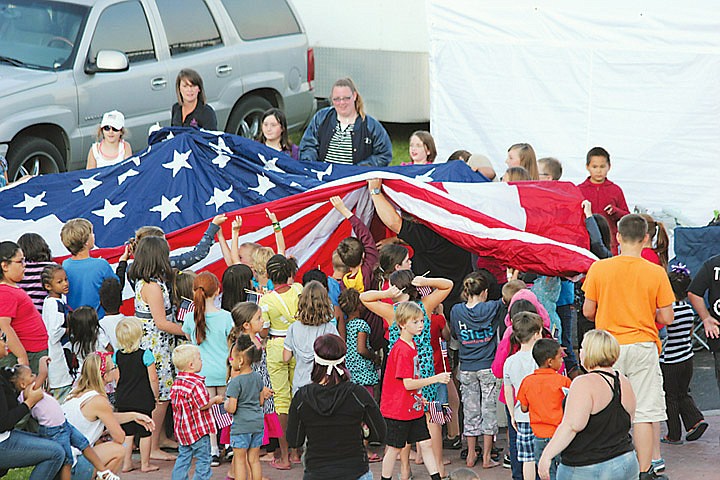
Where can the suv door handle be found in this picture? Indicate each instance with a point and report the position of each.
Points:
(158, 83)
(223, 70)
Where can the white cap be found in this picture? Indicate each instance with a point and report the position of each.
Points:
(113, 119)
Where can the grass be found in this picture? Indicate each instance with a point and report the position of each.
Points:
(399, 135)
(18, 474)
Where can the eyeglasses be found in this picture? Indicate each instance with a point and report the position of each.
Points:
(22, 261)
(107, 128)
(341, 99)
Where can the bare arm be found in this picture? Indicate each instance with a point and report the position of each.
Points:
(416, 383)
(665, 315)
(279, 237)
(128, 149)
(100, 407)
(590, 309)
(372, 301)
(384, 208)
(13, 342)
(230, 405)
(234, 248)
(216, 400)
(154, 380)
(712, 329)
(287, 355)
(362, 346)
(510, 402)
(224, 248)
(91, 162)
(152, 295)
(42, 371)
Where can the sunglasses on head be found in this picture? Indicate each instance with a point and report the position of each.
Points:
(107, 128)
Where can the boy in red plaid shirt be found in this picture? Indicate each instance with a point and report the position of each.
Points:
(192, 419)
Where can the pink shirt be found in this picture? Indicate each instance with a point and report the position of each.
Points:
(47, 411)
(24, 318)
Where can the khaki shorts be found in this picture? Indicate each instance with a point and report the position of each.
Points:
(639, 363)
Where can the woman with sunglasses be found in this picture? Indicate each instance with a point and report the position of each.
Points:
(20, 322)
(111, 148)
(88, 409)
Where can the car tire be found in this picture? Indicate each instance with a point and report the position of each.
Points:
(246, 117)
(33, 156)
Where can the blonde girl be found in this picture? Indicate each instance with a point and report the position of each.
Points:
(137, 388)
(111, 148)
(523, 155)
(208, 327)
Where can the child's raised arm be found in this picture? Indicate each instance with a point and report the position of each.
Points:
(372, 299)
(279, 237)
(224, 247)
(234, 247)
(42, 371)
(442, 288)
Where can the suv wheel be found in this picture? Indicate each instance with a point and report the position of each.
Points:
(33, 156)
(246, 117)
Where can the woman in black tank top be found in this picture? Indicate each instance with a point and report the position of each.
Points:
(593, 439)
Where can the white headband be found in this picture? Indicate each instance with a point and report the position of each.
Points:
(330, 364)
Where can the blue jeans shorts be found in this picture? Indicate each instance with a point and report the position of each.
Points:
(66, 435)
(246, 440)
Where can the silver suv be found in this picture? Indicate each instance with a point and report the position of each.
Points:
(64, 63)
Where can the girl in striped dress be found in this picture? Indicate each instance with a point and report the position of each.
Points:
(676, 363)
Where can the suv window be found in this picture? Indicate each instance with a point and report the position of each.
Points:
(188, 25)
(268, 18)
(123, 27)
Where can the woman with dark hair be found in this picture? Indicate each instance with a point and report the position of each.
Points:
(192, 109)
(274, 133)
(37, 257)
(329, 413)
(152, 273)
(235, 281)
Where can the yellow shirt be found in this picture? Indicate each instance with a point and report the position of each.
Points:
(628, 291)
(279, 309)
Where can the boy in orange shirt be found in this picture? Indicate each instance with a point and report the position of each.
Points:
(541, 394)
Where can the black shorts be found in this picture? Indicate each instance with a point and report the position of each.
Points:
(402, 432)
(134, 428)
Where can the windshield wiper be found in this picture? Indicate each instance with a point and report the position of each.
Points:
(12, 61)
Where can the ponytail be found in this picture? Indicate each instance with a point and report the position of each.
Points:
(205, 286)
(662, 245)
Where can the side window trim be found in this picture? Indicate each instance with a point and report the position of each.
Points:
(131, 58)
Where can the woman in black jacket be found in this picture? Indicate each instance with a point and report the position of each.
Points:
(330, 413)
(18, 448)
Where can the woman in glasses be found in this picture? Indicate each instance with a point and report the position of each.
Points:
(344, 134)
(111, 148)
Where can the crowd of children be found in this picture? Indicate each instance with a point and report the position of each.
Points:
(229, 356)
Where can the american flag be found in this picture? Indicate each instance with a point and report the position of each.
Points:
(187, 176)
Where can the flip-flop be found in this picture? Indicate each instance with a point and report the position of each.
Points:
(276, 465)
(696, 432)
(374, 458)
(667, 441)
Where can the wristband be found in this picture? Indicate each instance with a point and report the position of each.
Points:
(276, 226)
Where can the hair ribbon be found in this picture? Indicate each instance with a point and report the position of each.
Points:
(330, 364)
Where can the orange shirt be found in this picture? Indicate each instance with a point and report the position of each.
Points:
(541, 392)
(628, 291)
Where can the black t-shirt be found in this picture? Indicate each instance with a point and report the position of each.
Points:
(708, 280)
(436, 254)
(202, 117)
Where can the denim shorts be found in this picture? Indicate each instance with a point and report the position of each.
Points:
(246, 440)
(622, 467)
(66, 435)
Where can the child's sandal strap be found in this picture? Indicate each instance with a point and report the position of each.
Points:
(107, 475)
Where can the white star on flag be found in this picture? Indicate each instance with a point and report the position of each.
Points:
(220, 147)
(167, 207)
(323, 173)
(110, 211)
(270, 165)
(220, 197)
(264, 184)
(88, 184)
(124, 176)
(31, 202)
(425, 177)
(180, 161)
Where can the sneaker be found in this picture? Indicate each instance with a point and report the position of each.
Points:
(452, 443)
(658, 465)
(215, 462)
(651, 475)
(506, 461)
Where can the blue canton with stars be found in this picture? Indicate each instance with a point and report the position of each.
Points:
(185, 176)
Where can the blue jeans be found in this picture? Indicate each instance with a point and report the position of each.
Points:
(66, 436)
(199, 450)
(366, 476)
(540, 444)
(565, 312)
(515, 466)
(24, 449)
(624, 467)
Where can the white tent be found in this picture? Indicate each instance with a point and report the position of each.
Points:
(640, 78)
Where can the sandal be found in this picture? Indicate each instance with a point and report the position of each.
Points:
(374, 458)
(107, 475)
(697, 431)
(274, 463)
(667, 440)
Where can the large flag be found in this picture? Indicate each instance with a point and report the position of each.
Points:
(184, 178)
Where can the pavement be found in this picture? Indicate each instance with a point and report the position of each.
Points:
(691, 461)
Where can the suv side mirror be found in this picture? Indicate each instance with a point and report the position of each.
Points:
(108, 61)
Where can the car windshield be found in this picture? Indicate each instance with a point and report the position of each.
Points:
(40, 34)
